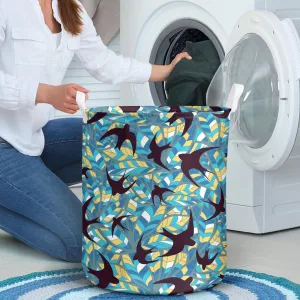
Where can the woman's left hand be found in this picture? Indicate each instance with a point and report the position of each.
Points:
(162, 73)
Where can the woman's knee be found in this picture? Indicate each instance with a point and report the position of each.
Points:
(74, 254)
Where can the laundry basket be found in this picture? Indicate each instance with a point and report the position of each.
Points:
(154, 187)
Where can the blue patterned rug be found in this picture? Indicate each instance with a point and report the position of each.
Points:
(72, 285)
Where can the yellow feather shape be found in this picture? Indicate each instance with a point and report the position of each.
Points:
(122, 274)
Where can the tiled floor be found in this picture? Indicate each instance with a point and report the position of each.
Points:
(276, 254)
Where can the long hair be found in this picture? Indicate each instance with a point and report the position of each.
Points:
(70, 14)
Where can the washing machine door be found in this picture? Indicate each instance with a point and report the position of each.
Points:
(259, 80)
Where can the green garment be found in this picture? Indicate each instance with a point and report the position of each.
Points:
(190, 79)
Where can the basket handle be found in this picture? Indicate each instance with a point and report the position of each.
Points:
(80, 100)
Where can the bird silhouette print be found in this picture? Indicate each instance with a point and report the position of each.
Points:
(86, 223)
(192, 161)
(219, 207)
(165, 232)
(181, 286)
(123, 134)
(84, 172)
(224, 115)
(205, 261)
(117, 222)
(178, 114)
(130, 109)
(97, 117)
(159, 192)
(174, 109)
(181, 240)
(117, 186)
(105, 276)
(156, 153)
(141, 253)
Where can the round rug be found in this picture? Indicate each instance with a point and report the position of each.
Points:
(72, 285)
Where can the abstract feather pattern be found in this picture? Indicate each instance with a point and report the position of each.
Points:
(154, 186)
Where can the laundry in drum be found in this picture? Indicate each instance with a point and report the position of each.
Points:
(190, 79)
(154, 193)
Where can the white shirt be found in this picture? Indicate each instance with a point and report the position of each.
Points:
(29, 55)
(57, 37)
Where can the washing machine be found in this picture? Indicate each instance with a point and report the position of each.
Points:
(155, 31)
(259, 47)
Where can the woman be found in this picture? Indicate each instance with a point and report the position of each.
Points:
(39, 158)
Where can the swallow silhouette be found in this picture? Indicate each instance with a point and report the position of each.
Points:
(117, 222)
(219, 208)
(216, 108)
(97, 117)
(181, 286)
(174, 109)
(84, 172)
(130, 108)
(105, 276)
(158, 191)
(141, 253)
(117, 186)
(123, 134)
(192, 161)
(156, 152)
(181, 240)
(178, 114)
(224, 115)
(86, 223)
(205, 261)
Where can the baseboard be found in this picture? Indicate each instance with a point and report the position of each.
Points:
(245, 219)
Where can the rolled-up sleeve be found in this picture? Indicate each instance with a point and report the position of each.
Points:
(103, 64)
(15, 93)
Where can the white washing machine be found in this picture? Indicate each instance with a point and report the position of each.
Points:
(151, 31)
(262, 59)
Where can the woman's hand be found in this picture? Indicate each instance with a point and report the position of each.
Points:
(179, 57)
(162, 73)
(62, 97)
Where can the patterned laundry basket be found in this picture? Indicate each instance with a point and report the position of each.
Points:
(154, 185)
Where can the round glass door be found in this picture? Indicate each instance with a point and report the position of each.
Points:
(172, 41)
(250, 67)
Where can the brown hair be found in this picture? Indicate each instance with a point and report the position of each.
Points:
(70, 14)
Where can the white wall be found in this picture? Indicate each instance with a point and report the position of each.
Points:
(101, 94)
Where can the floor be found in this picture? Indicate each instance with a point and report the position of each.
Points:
(275, 254)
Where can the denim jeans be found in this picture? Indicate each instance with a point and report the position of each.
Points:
(36, 204)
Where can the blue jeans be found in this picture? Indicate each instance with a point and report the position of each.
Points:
(36, 205)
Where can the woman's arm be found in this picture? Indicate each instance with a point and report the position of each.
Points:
(162, 73)
(15, 93)
(18, 93)
(104, 65)
(62, 97)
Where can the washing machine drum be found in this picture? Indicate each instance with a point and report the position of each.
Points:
(259, 80)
